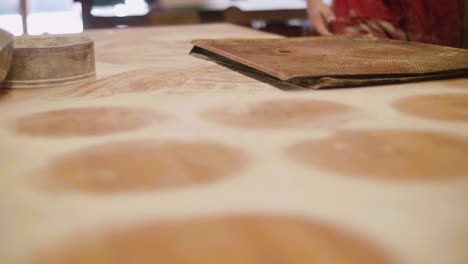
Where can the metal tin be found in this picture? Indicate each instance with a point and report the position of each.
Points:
(6, 53)
(50, 61)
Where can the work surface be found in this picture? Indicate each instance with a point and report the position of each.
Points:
(167, 158)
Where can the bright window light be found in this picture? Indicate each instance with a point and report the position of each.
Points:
(58, 22)
(129, 8)
(120, 10)
(12, 24)
(139, 7)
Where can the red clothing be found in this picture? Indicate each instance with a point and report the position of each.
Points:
(430, 21)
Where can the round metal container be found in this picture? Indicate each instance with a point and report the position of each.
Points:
(50, 61)
(6, 53)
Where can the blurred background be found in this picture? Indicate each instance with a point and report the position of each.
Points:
(35, 17)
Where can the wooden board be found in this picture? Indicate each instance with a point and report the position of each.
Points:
(167, 158)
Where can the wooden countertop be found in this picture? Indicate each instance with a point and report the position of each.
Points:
(167, 158)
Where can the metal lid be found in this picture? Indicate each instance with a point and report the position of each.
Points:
(6, 53)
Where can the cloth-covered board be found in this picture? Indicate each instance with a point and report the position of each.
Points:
(325, 62)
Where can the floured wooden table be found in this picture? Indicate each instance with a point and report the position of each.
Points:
(167, 158)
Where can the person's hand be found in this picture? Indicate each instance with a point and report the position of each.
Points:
(321, 16)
